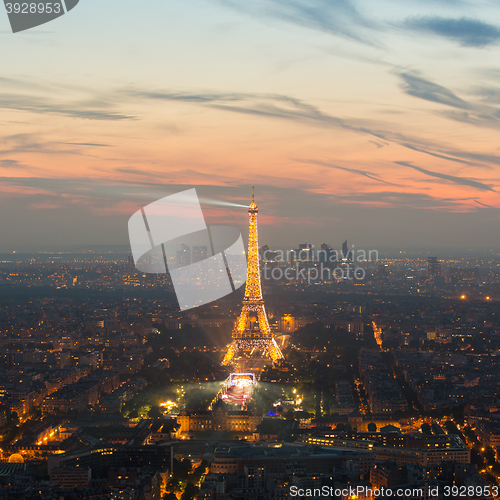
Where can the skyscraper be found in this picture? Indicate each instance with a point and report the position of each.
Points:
(184, 256)
(346, 254)
(199, 253)
(130, 265)
(327, 255)
(433, 267)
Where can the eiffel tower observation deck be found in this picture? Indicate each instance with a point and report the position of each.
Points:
(252, 333)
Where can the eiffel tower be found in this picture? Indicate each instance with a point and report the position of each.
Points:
(252, 329)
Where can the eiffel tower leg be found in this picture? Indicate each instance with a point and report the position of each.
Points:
(274, 351)
(232, 350)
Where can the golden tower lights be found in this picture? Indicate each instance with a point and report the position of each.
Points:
(252, 327)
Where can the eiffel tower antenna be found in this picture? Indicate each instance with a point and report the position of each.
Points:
(252, 328)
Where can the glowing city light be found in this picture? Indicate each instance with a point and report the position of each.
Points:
(169, 405)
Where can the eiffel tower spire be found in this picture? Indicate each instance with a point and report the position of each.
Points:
(252, 327)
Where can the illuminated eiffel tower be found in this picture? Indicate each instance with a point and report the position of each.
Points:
(252, 329)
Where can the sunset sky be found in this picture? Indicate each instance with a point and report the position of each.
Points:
(375, 121)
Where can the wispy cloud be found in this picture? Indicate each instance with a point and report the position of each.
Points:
(467, 32)
(489, 94)
(44, 205)
(442, 156)
(92, 144)
(336, 17)
(45, 106)
(11, 164)
(417, 86)
(266, 105)
(133, 171)
(462, 181)
(85, 192)
(378, 144)
(480, 157)
(400, 200)
(45, 97)
(363, 173)
(276, 106)
(471, 158)
(196, 97)
(490, 119)
(478, 114)
(32, 143)
(485, 205)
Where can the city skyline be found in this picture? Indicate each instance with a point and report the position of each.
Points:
(344, 117)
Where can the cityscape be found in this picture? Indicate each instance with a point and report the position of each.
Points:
(354, 388)
(250, 250)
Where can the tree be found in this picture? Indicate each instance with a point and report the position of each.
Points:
(491, 478)
(477, 459)
(426, 429)
(173, 485)
(169, 496)
(198, 472)
(155, 412)
(413, 344)
(489, 456)
(190, 492)
(182, 468)
(372, 427)
(390, 344)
